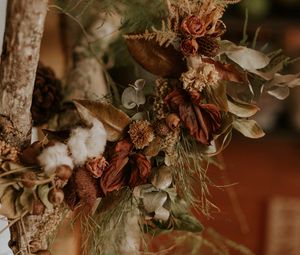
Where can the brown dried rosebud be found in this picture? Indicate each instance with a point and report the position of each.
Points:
(141, 170)
(96, 166)
(29, 179)
(161, 128)
(141, 133)
(63, 172)
(30, 154)
(208, 46)
(38, 207)
(173, 121)
(189, 47)
(56, 196)
(193, 25)
(46, 95)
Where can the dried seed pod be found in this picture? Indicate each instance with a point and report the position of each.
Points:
(38, 208)
(30, 154)
(35, 246)
(208, 46)
(161, 128)
(63, 172)
(29, 179)
(43, 252)
(173, 121)
(56, 196)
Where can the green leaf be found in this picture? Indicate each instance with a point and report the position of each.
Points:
(241, 109)
(248, 128)
(113, 119)
(186, 222)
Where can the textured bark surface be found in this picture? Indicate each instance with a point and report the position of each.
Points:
(19, 60)
(23, 33)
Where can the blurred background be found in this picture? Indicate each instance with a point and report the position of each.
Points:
(261, 209)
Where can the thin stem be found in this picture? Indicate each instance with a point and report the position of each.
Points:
(14, 171)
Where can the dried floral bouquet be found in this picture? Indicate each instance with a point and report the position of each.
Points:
(137, 167)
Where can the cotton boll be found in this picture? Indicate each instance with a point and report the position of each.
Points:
(54, 156)
(96, 140)
(77, 145)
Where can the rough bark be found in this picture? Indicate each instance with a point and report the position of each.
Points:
(23, 33)
(19, 60)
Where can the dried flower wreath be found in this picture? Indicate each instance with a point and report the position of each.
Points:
(138, 167)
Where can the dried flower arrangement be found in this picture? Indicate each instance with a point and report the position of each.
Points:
(138, 167)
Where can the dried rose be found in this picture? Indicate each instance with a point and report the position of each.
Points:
(63, 172)
(115, 175)
(161, 128)
(96, 166)
(202, 120)
(189, 47)
(56, 196)
(141, 133)
(193, 25)
(140, 170)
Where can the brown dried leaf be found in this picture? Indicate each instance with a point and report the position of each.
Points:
(248, 128)
(202, 120)
(113, 119)
(241, 109)
(159, 60)
(115, 176)
(154, 147)
(140, 170)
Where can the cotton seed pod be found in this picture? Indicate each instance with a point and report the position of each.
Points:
(173, 121)
(30, 154)
(63, 172)
(35, 246)
(38, 207)
(43, 252)
(56, 196)
(28, 179)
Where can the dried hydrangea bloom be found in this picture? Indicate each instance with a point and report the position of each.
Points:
(196, 79)
(141, 133)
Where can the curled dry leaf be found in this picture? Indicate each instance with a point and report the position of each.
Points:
(7, 202)
(159, 60)
(140, 170)
(113, 119)
(202, 120)
(115, 175)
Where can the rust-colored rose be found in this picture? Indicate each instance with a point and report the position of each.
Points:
(116, 174)
(189, 47)
(96, 166)
(140, 170)
(193, 25)
(201, 120)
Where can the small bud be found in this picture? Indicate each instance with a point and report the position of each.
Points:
(28, 179)
(35, 246)
(63, 172)
(56, 196)
(173, 121)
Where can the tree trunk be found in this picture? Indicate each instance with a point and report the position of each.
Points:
(19, 60)
(23, 33)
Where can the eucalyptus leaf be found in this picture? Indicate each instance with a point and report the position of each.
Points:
(140, 116)
(280, 93)
(162, 178)
(132, 97)
(162, 214)
(248, 128)
(241, 109)
(246, 58)
(154, 200)
(113, 119)
(43, 191)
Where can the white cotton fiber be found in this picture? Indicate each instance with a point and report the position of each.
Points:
(54, 156)
(77, 145)
(87, 143)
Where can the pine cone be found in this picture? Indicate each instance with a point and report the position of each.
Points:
(208, 46)
(46, 95)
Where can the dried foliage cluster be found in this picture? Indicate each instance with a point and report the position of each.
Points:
(138, 166)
